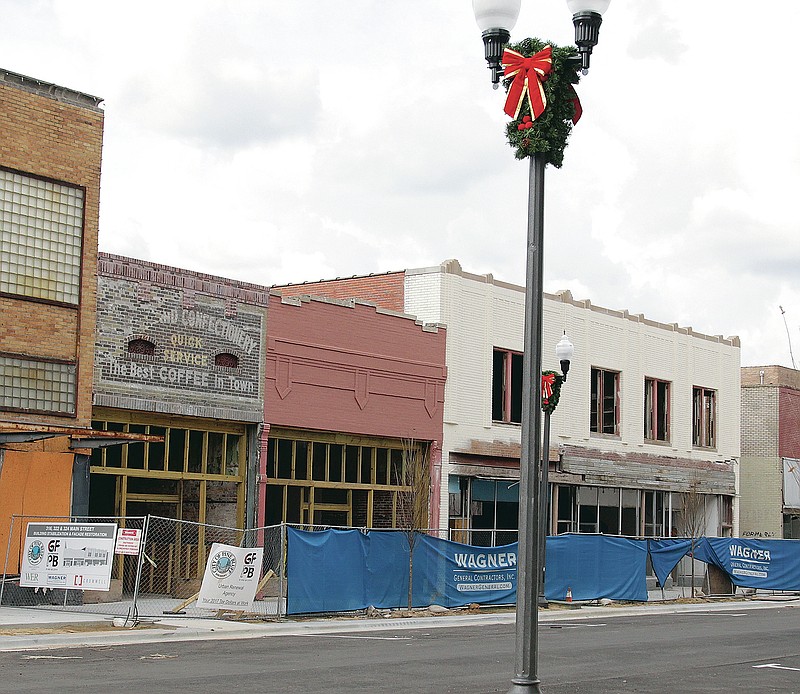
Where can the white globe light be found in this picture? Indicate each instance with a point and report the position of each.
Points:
(565, 349)
(496, 14)
(577, 6)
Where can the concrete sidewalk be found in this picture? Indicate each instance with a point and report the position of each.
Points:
(23, 629)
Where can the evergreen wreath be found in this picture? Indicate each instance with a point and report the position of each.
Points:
(547, 134)
(549, 405)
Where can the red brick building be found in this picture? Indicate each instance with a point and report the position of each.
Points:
(385, 289)
(351, 389)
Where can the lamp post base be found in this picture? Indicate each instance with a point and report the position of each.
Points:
(524, 686)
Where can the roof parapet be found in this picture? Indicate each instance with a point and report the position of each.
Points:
(48, 89)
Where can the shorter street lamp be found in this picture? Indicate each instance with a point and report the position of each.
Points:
(564, 351)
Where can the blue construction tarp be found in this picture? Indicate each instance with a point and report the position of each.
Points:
(453, 574)
(764, 564)
(665, 555)
(345, 570)
(595, 566)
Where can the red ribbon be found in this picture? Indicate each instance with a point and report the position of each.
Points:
(547, 386)
(528, 75)
(520, 68)
(576, 102)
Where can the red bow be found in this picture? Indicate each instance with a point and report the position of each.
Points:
(547, 386)
(524, 71)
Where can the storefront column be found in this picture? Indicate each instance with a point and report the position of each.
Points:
(261, 492)
(436, 484)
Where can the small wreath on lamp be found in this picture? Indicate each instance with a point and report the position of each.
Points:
(551, 390)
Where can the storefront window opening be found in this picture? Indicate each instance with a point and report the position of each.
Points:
(349, 484)
(494, 511)
(614, 511)
(184, 484)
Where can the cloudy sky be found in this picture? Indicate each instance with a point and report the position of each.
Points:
(276, 142)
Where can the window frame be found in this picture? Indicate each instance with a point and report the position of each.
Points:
(73, 280)
(652, 409)
(510, 390)
(597, 388)
(704, 427)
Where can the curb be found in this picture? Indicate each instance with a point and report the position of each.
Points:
(176, 631)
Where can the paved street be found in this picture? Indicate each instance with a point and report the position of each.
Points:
(722, 650)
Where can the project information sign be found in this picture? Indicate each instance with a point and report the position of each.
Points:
(68, 555)
(231, 577)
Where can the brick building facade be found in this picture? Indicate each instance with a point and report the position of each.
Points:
(50, 152)
(382, 289)
(621, 460)
(178, 355)
(354, 396)
(770, 466)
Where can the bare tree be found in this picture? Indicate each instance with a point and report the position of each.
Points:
(413, 500)
(694, 518)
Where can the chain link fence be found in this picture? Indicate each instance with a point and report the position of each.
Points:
(163, 579)
(174, 559)
(115, 602)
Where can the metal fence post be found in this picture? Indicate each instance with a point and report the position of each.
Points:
(139, 565)
(282, 607)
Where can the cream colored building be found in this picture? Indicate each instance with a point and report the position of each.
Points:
(648, 417)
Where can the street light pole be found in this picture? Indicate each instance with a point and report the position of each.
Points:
(526, 679)
(564, 351)
(495, 19)
(544, 505)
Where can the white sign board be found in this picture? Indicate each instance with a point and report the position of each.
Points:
(231, 577)
(128, 541)
(68, 555)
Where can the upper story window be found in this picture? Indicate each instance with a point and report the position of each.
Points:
(507, 386)
(41, 233)
(226, 359)
(605, 410)
(704, 417)
(656, 409)
(725, 516)
(141, 346)
(37, 385)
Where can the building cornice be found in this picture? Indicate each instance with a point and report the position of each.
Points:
(49, 90)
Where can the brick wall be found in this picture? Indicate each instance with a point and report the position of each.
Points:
(190, 318)
(55, 133)
(346, 366)
(759, 421)
(789, 404)
(761, 501)
(770, 424)
(771, 376)
(384, 290)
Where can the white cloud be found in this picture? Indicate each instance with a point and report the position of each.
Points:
(275, 142)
